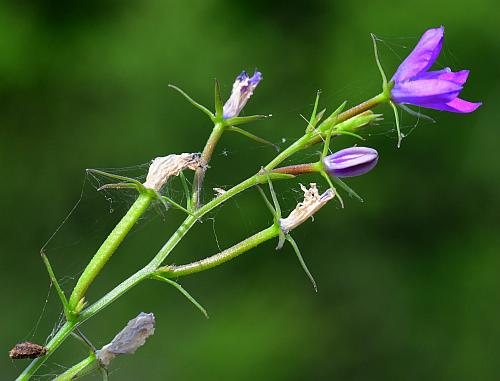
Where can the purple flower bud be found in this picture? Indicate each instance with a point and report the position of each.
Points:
(438, 90)
(243, 88)
(351, 162)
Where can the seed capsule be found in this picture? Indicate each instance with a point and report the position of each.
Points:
(27, 350)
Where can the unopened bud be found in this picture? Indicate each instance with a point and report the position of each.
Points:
(351, 162)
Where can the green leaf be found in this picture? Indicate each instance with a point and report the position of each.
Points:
(398, 128)
(341, 132)
(331, 120)
(416, 114)
(193, 102)
(312, 120)
(182, 291)
(347, 188)
(237, 120)
(164, 200)
(329, 181)
(219, 108)
(379, 65)
(301, 260)
(253, 137)
(54, 281)
(119, 186)
(186, 190)
(267, 202)
(117, 177)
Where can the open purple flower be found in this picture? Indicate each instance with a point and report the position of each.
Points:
(242, 91)
(350, 162)
(438, 90)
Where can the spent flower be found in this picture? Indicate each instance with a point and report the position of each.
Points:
(243, 88)
(439, 90)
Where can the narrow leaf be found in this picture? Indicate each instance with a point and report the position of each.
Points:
(237, 120)
(54, 281)
(312, 119)
(118, 186)
(347, 188)
(186, 190)
(219, 108)
(329, 181)
(398, 128)
(183, 292)
(417, 114)
(341, 132)
(252, 136)
(377, 59)
(116, 177)
(301, 261)
(193, 102)
(266, 201)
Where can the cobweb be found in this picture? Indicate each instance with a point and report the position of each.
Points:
(95, 212)
(77, 238)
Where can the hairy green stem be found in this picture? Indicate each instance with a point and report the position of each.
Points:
(206, 155)
(223, 256)
(124, 226)
(77, 369)
(299, 169)
(107, 248)
(362, 107)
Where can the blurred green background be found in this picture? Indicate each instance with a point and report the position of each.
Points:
(408, 281)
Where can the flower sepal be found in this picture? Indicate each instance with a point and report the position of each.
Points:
(238, 120)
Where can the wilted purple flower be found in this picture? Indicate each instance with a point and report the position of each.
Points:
(438, 90)
(351, 162)
(242, 91)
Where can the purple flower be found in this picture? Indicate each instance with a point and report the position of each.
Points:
(351, 162)
(242, 91)
(438, 90)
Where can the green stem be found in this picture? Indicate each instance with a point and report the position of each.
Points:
(362, 107)
(298, 169)
(206, 155)
(107, 249)
(157, 261)
(223, 256)
(285, 154)
(52, 345)
(76, 369)
(124, 226)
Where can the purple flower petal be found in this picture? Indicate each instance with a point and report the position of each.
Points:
(459, 77)
(351, 162)
(456, 105)
(425, 91)
(423, 55)
(243, 88)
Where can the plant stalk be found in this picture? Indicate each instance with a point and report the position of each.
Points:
(107, 249)
(206, 156)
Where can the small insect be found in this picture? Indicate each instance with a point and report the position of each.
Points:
(27, 350)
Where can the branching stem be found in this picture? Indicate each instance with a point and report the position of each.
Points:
(120, 231)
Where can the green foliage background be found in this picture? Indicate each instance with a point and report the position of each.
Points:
(408, 281)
